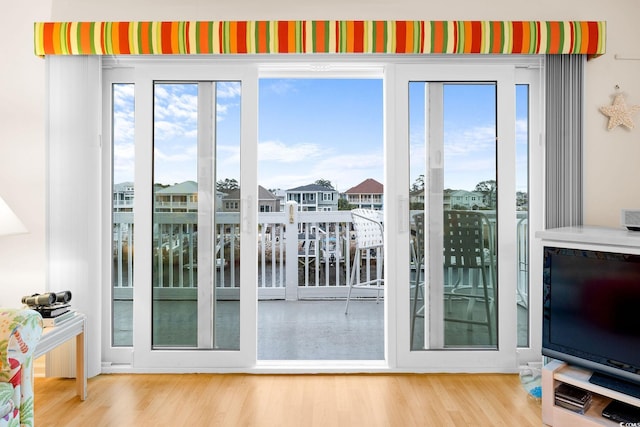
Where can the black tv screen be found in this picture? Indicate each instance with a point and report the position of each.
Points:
(591, 310)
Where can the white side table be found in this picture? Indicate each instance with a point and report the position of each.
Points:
(57, 335)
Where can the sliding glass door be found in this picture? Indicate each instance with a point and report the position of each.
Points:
(184, 231)
(458, 286)
(188, 308)
(195, 141)
(453, 216)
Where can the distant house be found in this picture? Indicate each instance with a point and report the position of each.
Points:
(369, 194)
(416, 198)
(267, 201)
(314, 197)
(182, 197)
(281, 195)
(123, 196)
(463, 199)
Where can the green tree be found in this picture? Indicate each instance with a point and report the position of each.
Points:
(227, 185)
(418, 184)
(489, 191)
(343, 205)
(324, 183)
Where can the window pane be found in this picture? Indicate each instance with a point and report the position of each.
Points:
(320, 139)
(123, 196)
(453, 156)
(522, 211)
(196, 217)
(227, 224)
(175, 212)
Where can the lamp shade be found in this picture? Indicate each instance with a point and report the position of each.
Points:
(9, 222)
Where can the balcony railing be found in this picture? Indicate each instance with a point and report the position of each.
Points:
(319, 244)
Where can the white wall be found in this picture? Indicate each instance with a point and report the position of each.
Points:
(22, 149)
(610, 158)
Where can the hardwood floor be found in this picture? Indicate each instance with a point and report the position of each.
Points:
(196, 400)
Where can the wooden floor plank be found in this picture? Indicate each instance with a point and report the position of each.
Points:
(196, 400)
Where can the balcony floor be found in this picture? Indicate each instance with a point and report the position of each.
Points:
(320, 330)
(296, 330)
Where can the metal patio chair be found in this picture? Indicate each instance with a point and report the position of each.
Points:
(369, 232)
(468, 248)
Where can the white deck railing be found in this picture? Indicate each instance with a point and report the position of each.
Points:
(320, 243)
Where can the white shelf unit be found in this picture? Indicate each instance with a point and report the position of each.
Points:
(556, 372)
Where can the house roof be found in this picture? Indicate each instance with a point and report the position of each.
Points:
(368, 186)
(465, 193)
(311, 188)
(187, 187)
(263, 194)
(122, 186)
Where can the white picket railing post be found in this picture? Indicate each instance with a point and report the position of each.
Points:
(291, 237)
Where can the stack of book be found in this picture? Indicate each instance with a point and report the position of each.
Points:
(55, 314)
(572, 398)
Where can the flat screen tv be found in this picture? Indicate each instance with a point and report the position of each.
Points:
(591, 311)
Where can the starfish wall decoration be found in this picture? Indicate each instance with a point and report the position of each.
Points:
(619, 113)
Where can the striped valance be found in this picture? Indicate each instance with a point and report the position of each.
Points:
(281, 37)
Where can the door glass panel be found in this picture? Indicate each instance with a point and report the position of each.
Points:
(320, 156)
(522, 211)
(122, 214)
(226, 246)
(195, 240)
(453, 215)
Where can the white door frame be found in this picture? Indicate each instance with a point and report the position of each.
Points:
(504, 357)
(397, 73)
(146, 359)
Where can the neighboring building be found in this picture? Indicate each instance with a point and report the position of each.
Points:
(181, 197)
(522, 201)
(281, 195)
(314, 197)
(369, 194)
(267, 201)
(463, 199)
(416, 198)
(123, 196)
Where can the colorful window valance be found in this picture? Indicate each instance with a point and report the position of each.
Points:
(281, 37)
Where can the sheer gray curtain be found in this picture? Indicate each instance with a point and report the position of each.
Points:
(564, 135)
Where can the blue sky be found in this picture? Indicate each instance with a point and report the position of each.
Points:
(311, 129)
(320, 129)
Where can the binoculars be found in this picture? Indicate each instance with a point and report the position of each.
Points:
(49, 298)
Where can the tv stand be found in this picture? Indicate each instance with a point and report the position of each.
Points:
(616, 384)
(556, 372)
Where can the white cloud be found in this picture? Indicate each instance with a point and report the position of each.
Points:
(228, 89)
(181, 154)
(344, 170)
(176, 102)
(280, 152)
(123, 114)
(281, 86)
(123, 126)
(227, 162)
(522, 129)
(470, 141)
(123, 95)
(123, 162)
(124, 151)
(160, 92)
